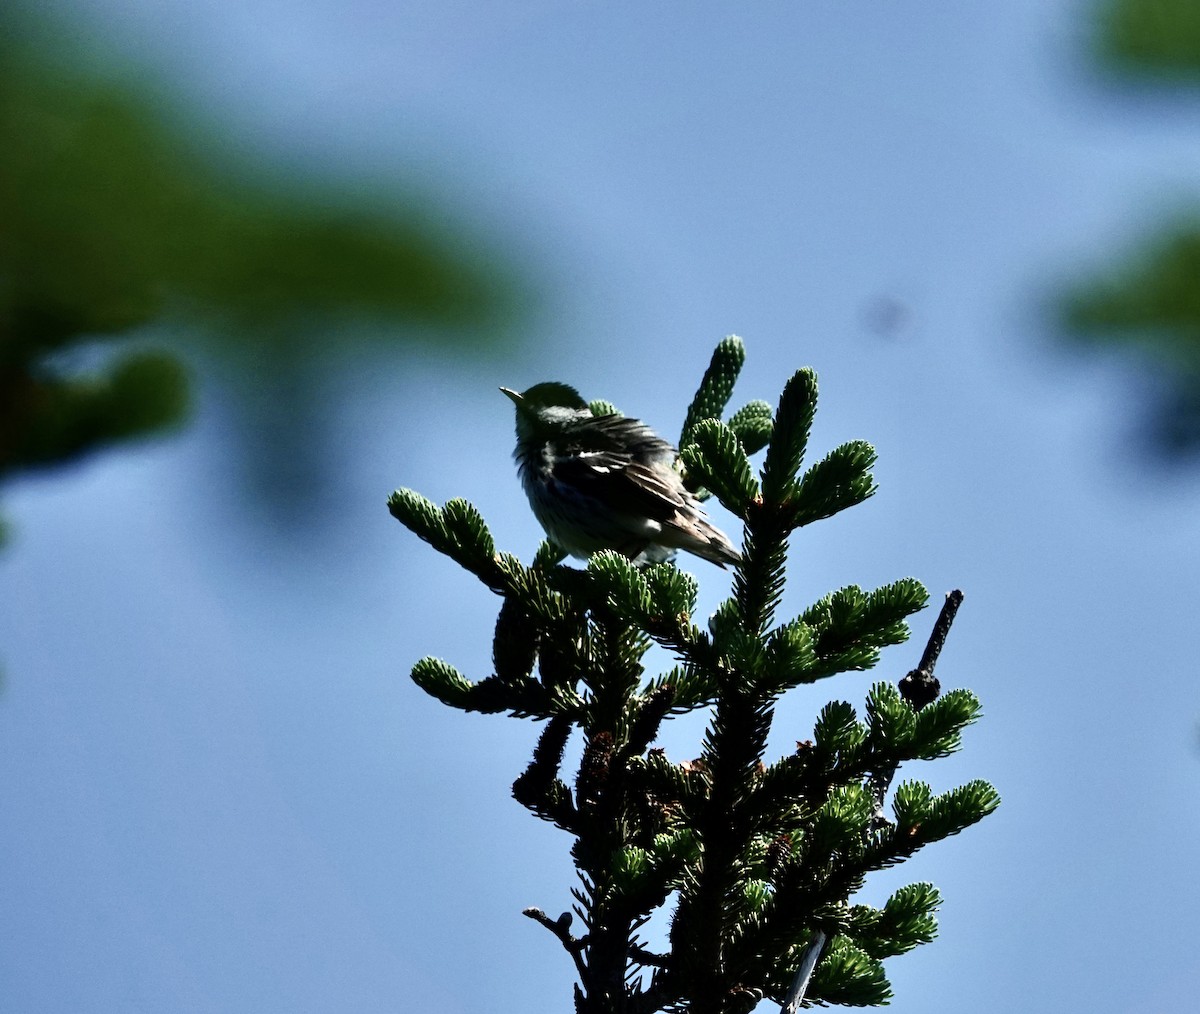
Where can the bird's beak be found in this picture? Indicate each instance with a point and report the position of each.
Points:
(517, 399)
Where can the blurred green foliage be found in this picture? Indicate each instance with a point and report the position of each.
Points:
(1151, 36)
(1149, 302)
(120, 218)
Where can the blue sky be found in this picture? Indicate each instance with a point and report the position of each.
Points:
(221, 791)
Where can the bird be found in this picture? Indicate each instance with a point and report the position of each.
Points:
(607, 482)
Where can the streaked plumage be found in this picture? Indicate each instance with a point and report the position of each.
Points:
(606, 482)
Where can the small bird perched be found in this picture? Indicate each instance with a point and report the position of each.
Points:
(607, 482)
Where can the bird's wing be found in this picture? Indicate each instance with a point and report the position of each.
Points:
(623, 485)
(621, 435)
(626, 466)
(623, 464)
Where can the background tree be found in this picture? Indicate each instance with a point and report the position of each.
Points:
(1149, 301)
(134, 238)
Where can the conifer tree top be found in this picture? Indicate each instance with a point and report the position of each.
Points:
(760, 857)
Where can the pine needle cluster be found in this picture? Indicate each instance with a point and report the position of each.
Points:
(758, 858)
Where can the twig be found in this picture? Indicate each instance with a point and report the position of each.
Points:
(919, 688)
(808, 962)
(649, 959)
(561, 928)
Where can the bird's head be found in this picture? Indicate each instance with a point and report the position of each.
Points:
(545, 410)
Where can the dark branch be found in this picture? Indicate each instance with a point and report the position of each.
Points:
(919, 688)
(648, 958)
(812, 953)
(561, 928)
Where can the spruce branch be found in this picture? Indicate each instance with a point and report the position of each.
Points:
(793, 421)
(716, 460)
(753, 425)
(716, 386)
(539, 788)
